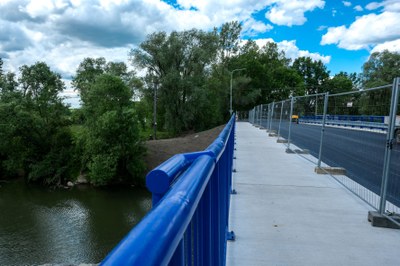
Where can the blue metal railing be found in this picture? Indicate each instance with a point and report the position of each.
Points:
(188, 224)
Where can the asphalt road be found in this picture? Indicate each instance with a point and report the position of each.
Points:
(361, 153)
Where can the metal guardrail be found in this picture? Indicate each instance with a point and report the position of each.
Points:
(362, 124)
(188, 224)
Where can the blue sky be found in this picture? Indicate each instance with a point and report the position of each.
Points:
(63, 32)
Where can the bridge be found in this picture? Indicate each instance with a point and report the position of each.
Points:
(255, 198)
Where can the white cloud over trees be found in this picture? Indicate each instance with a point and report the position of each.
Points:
(366, 32)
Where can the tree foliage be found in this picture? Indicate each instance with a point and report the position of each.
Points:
(341, 82)
(90, 68)
(35, 140)
(112, 150)
(179, 63)
(313, 73)
(381, 68)
(189, 74)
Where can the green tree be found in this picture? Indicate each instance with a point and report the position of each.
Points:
(313, 72)
(314, 75)
(90, 68)
(381, 68)
(229, 40)
(268, 72)
(112, 150)
(37, 142)
(86, 75)
(179, 63)
(341, 82)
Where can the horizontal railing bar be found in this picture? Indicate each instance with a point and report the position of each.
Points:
(166, 223)
(360, 91)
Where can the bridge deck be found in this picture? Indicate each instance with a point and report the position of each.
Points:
(285, 214)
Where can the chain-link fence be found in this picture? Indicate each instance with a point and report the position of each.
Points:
(354, 136)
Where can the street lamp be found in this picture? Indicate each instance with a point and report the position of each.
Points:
(230, 109)
(155, 111)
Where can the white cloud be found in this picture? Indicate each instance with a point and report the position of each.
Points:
(63, 32)
(365, 32)
(292, 51)
(291, 12)
(373, 6)
(358, 8)
(392, 46)
(252, 27)
(388, 5)
(346, 3)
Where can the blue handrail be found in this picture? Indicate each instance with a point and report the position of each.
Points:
(188, 224)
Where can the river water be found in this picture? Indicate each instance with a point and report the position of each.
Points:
(81, 225)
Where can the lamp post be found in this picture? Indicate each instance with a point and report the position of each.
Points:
(155, 111)
(230, 109)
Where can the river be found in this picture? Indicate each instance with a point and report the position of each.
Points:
(81, 225)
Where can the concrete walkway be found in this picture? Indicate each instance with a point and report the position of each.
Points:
(285, 214)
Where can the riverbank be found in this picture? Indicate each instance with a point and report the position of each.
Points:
(161, 150)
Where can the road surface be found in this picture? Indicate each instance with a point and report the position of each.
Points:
(360, 152)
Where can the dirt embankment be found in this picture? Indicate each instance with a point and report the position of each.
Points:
(160, 150)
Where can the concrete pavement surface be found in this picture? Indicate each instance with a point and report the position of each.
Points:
(285, 214)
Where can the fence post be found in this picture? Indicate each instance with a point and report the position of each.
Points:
(261, 113)
(280, 120)
(290, 120)
(256, 115)
(389, 143)
(272, 116)
(323, 128)
(268, 116)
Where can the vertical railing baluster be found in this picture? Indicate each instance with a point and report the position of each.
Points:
(215, 221)
(208, 244)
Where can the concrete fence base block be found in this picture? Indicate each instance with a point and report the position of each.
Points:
(290, 151)
(330, 170)
(297, 151)
(305, 151)
(380, 220)
(282, 141)
(272, 134)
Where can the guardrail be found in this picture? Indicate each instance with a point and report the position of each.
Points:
(188, 224)
(352, 121)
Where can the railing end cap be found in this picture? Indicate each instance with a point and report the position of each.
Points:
(157, 181)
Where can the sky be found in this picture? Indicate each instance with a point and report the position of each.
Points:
(342, 34)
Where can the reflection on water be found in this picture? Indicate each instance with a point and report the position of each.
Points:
(81, 225)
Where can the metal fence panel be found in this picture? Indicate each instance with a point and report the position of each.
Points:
(347, 130)
(306, 128)
(355, 138)
(276, 116)
(391, 204)
(283, 130)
